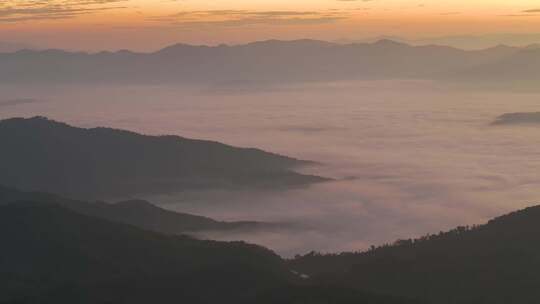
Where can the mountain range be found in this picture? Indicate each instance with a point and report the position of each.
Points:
(39, 154)
(273, 61)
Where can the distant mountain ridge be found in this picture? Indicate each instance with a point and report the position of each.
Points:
(39, 154)
(270, 61)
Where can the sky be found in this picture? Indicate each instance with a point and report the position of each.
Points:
(147, 25)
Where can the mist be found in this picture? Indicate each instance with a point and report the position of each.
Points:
(408, 157)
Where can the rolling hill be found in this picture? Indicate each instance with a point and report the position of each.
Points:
(498, 262)
(39, 154)
(137, 213)
(53, 255)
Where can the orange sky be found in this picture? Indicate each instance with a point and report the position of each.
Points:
(148, 25)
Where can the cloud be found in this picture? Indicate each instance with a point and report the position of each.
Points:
(521, 15)
(26, 10)
(525, 13)
(246, 17)
(449, 13)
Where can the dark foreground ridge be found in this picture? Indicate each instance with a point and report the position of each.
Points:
(498, 262)
(43, 155)
(53, 255)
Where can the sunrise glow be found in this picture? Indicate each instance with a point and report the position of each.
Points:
(147, 25)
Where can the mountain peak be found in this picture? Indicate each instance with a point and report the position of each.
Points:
(180, 48)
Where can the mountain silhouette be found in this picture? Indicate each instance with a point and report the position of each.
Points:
(39, 154)
(270, 61)
(53, 255)
(138, 213)
(493, 263)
